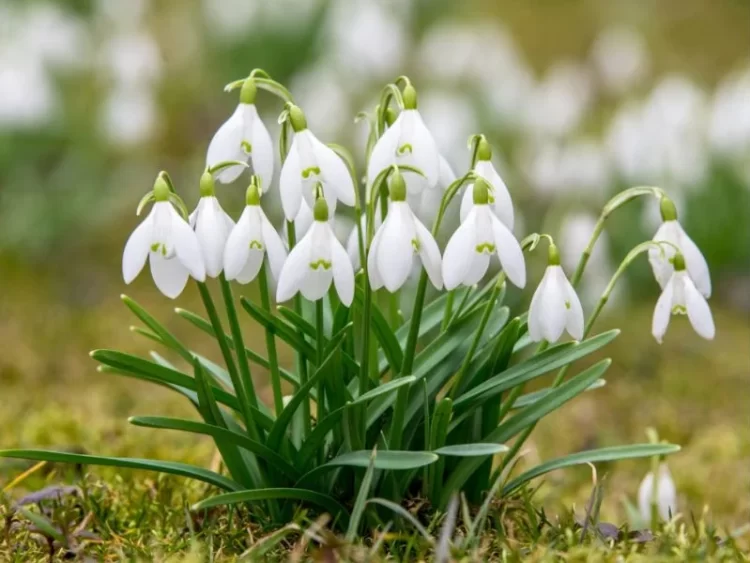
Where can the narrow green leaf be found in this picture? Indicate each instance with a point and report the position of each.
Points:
(43, 524)
(298, 321)
(240, 440)
(360, 503)
(306, 456)
(401, 511)
(533, 397)
(286, 332)
(389, 343)
(324, 501)
(167, 338)
(614, 453)
(527, 416)
(171, 467)
(551, 359)
(385, 388)
(472, 450)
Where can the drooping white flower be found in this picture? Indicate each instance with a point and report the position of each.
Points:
(662, 258)
(555, 306)
(426, 203)
(407, 142)
(499, 196)
(166, 240)
(482, 234)
(243, 137)
(666, 494)
(212, 226)
(309, 163)
(680, 297)
(252, 239)
(398, 239)
(317, 260)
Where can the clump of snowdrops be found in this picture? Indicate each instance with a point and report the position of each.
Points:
(381, 404)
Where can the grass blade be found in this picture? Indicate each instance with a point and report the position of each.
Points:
(405, 514)
(360, 503)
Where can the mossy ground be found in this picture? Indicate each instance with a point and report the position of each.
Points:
(692, 392)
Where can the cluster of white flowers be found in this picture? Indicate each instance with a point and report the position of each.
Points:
(315, 177)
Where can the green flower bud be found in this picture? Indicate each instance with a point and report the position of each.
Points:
(553, 255)
(297, 118)
(481, 192)
(410, 97)
(678, 261)
(252, 196)
(161, 189)
(484, 150)
(397, 186)
(248, 92)
(668, 209)
(320, 209)
(207, 185)
(390, 116)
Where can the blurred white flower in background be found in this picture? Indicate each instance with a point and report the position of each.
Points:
(27, 94)
(584, 168)
(322, 92)
(557, 105)
(729, 121)
(366, 39)
(121, 14)
(451, 118)
(55, 37)
(129, 116)
(230, 19)
(621, 59)
(131, 58)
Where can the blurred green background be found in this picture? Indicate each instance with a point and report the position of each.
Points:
(581, 99)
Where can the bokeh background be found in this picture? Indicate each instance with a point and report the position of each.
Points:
(581, 98)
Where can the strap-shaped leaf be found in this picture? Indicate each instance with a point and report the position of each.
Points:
(389, 343)
(240, 440)
(166, 337)
(551, 359)
(329, 503)
(472, 450)
(534, 396)
(171, 467)
(518, 422)
(281, 328)
(298, 321)
(360, 503)
(614, 453)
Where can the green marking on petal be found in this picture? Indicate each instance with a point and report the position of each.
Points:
(254, 244)
(416, 245)
(312, 170)
(490, 197)
(679, 310)
(567, 304)
(485, 247)
(405, 148)
(155, 247)
(247, 147)
(325, 264)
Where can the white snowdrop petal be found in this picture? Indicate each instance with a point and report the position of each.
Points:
(467, 202)
(186, 247)
(290, 182)
(574, 321)
(251, 267)
(535, 313)
(384, 152)
(262, 153)
(459, 254)
(376, 281)
(553, 309)
(663, 311)
(275, 249)
(316, 283)
(694, 261)
(698, 311)
(295, 269)
(136, 249)
(343, 273)
(335, 173)
(510, 253)
(659, 258)
(169, 275)
(352, 249)
(429, 253)
(395, 255)
(424, 150)
(237, 246)
(478, 266)
(502, 204)
(227, 145)
(210, 229)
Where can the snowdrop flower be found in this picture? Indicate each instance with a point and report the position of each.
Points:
(166, 240)
(401, 236)
(467, 255)
(662, 258)
(212, 226)
(555, 306)
(499, 196)
(407, 141)
(250, 240)
(308, 164)
(316, 261)
(680, 297)
(666, 494)
(243, 137)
